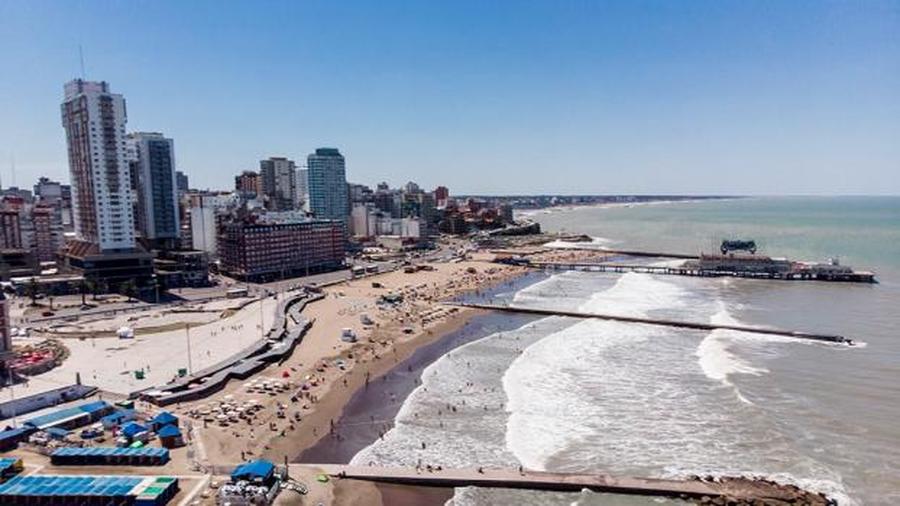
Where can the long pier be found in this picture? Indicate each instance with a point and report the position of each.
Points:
(733, 489)
(857, 277)
(833, 338)
(652, 254)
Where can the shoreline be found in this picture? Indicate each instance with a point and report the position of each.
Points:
(371, 410)
(531, 213)
(332, 400)
(335, 393)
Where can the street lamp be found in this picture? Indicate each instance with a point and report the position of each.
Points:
(187, 338)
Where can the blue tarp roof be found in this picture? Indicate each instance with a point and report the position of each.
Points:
(57, 432)
(6, 463)
(165, 418)
(92, 407)
(255, 469)
(14, 433)
(67, 413)
(119, 416)
(61, 486)
(169, 431)
(132, 428)
(145, 451)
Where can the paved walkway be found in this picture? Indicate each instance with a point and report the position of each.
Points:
(745, 490)
(510, 478)
(109, 363)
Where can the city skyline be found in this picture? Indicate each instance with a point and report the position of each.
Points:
(505, 99)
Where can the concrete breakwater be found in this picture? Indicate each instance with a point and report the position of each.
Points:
(732, 491)
(833, 338)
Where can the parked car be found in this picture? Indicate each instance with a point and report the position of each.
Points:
(91, 433)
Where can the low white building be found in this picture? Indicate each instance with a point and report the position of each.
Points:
(204, 220)
(366, 221)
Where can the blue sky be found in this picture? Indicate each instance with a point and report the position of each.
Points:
(485, 97)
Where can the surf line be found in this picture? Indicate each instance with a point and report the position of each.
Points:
(796, 334)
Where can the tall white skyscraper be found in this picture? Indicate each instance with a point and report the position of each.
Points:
(102, 200)
(94, 119)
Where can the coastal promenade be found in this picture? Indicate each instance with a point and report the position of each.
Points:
(833, 338)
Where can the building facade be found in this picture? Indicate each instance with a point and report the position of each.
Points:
(303, 189)
(275, 249)
(279, 183)
(182, 184)
(153, 159)
(10, 229)
(47, 233)
(5, 334)
(208, 213)
(56, 195)
(441, 196)
(248, 183)
(35, 228)
(94, 119)
(328, 195)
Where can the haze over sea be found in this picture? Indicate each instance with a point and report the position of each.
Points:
(566, 395)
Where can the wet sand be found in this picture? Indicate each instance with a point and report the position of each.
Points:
(404, 495)
(371, 410)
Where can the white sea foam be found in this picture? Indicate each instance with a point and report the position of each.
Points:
(615, 397)
(714, 356)
(596, 243)
(719, 362)
(636, 295)
(458, 409)
(545, 385)
(601, 396)
(830, 484)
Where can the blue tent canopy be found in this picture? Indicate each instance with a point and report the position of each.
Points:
(169, 431)
(130, 429)
(164, 418)
(256, 470)
(57, 432)
(118, 417)
(18, 433)
(10, 465)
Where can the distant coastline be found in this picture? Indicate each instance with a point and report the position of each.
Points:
(526, 212)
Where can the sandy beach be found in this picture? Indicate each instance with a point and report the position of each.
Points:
(395, 341)
(324, 372)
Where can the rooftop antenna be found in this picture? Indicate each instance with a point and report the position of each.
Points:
(12, 169)
(81, 59)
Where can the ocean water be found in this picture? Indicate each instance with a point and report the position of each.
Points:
(561, 394)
